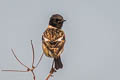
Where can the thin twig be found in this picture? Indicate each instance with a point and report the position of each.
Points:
(28, 69)
(15, 70)
(18, 59)
(51, 71)
(50, 74)
(33, 75)
(39, 60)
(33, 52)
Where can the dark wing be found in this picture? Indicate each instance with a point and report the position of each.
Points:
(60, 44)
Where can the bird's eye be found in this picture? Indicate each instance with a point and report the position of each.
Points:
(57, 20)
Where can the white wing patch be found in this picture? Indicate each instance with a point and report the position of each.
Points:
(59, 39)
(46, 39)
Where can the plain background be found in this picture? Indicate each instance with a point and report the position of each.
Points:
(92, 50)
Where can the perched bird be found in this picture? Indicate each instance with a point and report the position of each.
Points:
(53, 39)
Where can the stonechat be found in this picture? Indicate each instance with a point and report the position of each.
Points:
(53, 39)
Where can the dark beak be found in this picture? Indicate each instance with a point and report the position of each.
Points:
(64, 20)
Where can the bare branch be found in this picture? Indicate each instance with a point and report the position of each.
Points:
(50, 74)
(33, 52)
(28, 69)
(18, 59)
(51, 71)
(14, 70)
(33, 75)
(39, 60)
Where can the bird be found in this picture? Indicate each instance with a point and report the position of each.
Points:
(53, 40)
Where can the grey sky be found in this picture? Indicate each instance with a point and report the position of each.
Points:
(92, 50)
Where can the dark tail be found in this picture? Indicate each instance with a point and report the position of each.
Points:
(58, 63)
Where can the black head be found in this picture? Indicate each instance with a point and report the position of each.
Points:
(56, 20)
